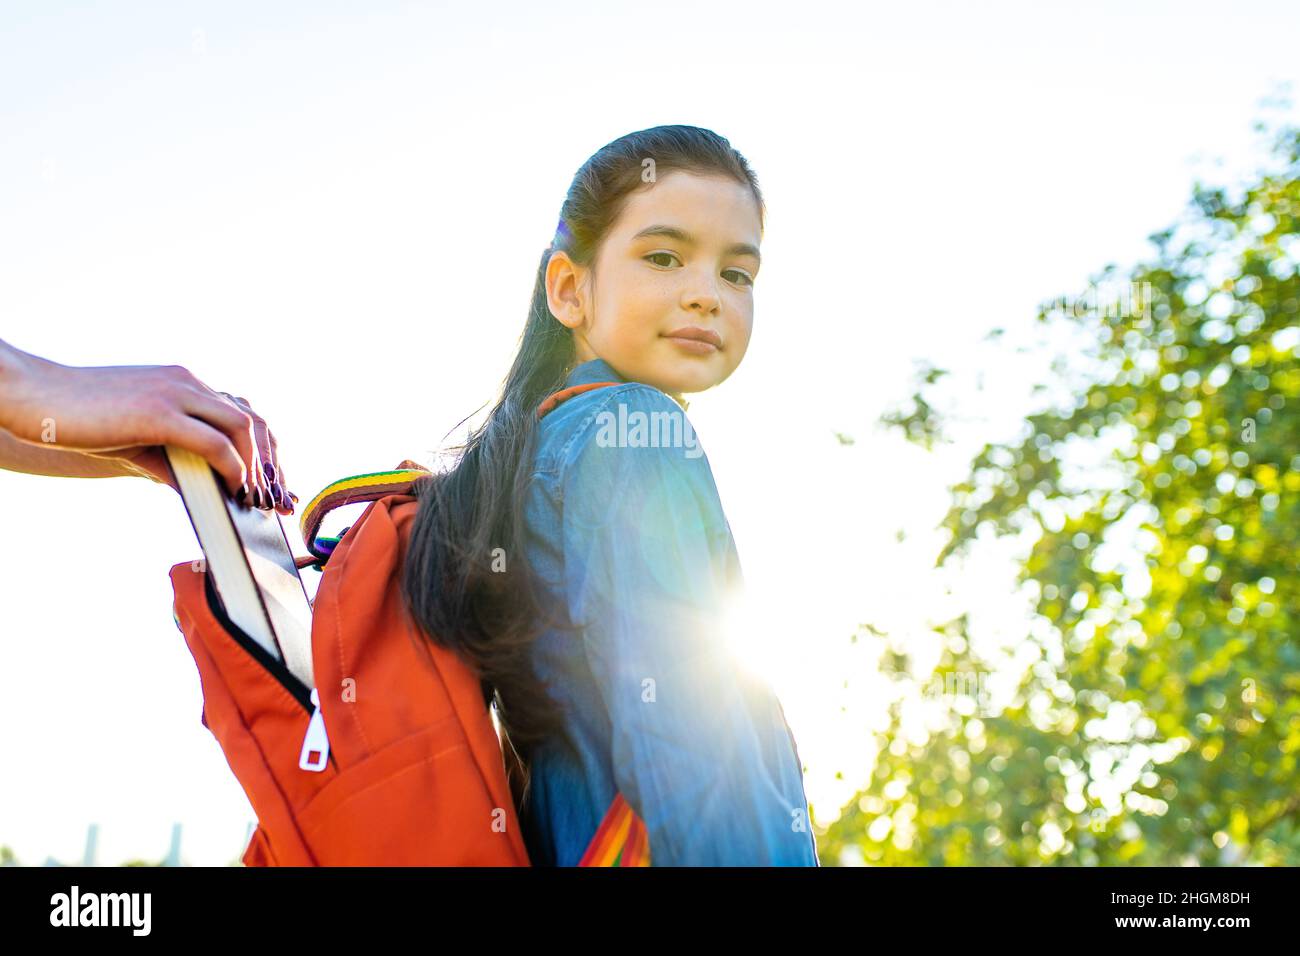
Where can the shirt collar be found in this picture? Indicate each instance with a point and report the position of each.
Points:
(598, 370)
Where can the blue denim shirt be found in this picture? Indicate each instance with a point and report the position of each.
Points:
(628, 536)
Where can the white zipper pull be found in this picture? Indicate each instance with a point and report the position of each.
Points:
(315, 741)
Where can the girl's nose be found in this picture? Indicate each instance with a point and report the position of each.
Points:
(703, 296)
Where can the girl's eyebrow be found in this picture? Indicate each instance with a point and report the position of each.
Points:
(681, 235)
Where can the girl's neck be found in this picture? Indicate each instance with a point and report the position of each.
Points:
(675, 396)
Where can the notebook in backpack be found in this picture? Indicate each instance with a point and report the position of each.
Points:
(400, 763)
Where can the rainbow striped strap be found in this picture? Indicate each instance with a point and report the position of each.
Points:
(347, 491)
(564, 394)
(620, 840)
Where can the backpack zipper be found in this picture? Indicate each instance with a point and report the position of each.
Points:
(315, 738)
(316, 741)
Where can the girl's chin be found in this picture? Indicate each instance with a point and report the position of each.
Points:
(685, 381)
(675, 372)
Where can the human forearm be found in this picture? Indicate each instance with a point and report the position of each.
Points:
(17, 370)
(32, 459)
(129, 413)
(15, 373)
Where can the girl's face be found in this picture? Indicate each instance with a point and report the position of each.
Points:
(682, 254)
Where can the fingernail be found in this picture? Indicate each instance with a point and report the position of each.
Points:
(295, 498)
(269, 470)
(277, 494)
(243, 492)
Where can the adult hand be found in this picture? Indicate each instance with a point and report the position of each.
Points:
(151, 462)
(268, 450)
(125, 413)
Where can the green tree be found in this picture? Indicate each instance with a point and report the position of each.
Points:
(1158, 719)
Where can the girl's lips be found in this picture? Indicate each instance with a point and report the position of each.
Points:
(694, 346)
(696, 332)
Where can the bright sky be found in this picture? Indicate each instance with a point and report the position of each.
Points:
(338, 214)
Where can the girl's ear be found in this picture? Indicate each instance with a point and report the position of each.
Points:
(564, 292)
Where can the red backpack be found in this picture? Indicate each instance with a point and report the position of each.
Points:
(397, 760)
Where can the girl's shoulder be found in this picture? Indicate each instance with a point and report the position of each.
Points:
(627, 415)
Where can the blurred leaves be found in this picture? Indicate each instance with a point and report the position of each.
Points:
(1155, 719)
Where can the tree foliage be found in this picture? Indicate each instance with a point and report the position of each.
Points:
(1157, 719)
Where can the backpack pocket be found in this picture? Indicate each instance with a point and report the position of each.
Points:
(420, 801)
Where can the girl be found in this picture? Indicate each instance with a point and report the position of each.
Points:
(581, 560)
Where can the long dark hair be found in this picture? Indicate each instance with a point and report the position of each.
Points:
(460, 601)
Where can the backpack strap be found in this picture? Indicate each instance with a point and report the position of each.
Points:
(564, 394)
(620, 840)
(379, 484)
(347, 491)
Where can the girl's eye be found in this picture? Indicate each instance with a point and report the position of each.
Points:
(745, 278)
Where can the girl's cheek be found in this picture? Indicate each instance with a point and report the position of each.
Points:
(741, 334)
(653, 295)
(657, 284)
